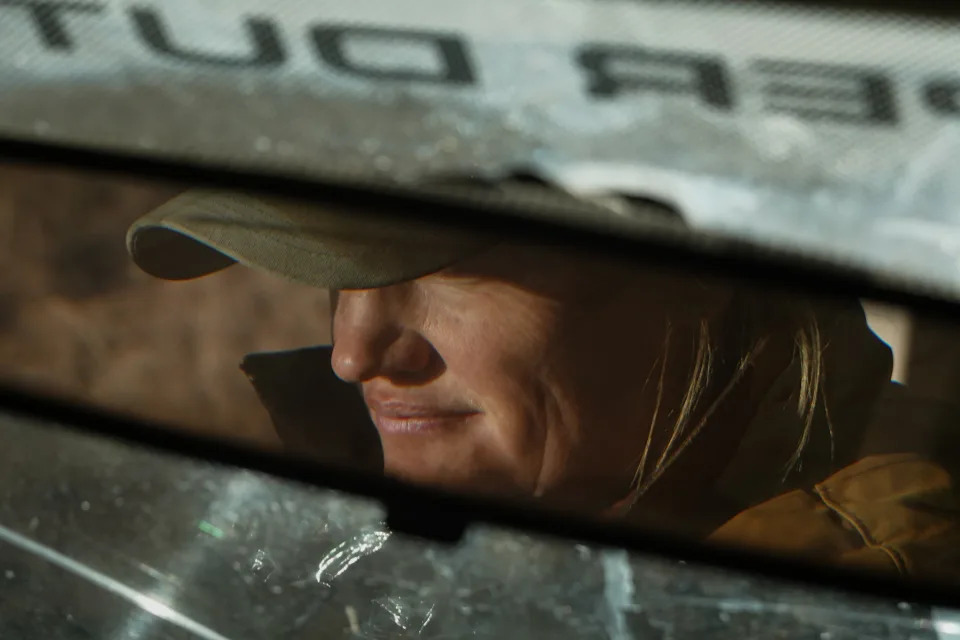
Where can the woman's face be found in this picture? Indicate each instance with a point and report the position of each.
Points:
(520, 371)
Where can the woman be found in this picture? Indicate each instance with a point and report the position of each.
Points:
(696, 406)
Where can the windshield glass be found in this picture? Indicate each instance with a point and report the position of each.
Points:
(790, 125)
(101, 540)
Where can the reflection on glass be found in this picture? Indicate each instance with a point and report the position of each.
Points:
(683, 402)
(103, 540)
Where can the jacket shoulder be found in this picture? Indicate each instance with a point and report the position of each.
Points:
(896, 512)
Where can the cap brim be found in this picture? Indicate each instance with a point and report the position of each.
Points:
(200, 232)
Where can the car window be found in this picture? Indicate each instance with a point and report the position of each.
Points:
(102, 539)
(762, 137)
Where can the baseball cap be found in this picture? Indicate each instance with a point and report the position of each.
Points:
(200, 232)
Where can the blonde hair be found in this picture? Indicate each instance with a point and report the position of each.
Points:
(761, 320)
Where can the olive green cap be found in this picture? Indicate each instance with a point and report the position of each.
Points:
(200, 232)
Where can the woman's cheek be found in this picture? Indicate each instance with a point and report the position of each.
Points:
(534, 428)
(496, 350)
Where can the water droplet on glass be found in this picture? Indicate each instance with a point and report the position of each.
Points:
(276, 589)
(85, 506)
(825, 635)
(9, 575)
(263, 144)
(903, 606)
(41, 127)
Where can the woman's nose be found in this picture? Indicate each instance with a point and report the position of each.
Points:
(371, 339)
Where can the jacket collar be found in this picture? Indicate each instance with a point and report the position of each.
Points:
(314, 412)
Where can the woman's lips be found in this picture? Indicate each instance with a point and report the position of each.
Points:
(416, 419)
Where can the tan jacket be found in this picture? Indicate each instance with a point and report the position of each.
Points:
(897, 513)
(884, 494)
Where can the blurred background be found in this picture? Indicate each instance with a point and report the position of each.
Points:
(109, 333)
